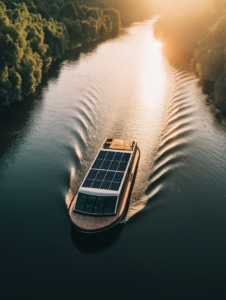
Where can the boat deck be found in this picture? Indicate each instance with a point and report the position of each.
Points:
(97, 223)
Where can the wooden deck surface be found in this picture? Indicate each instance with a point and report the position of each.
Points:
(95, 223)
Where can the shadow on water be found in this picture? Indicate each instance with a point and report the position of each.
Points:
(73, 54)
(95, 242)
(16, 118)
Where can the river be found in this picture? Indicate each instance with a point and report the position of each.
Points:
(172, 242)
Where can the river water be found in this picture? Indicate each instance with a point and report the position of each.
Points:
(172, 242)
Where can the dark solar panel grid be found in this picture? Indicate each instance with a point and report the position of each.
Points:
(110, 155)
(96, 184)
(126, 157)
(97, 164)
(108, 170)
(114, 165)
(106, 165)
(109, 176)
(102, 154)
(122, 166)
(118, 156)
(114, 186)
(88, 183)
(105, 185)
(101, 174)
(92, 174)
(118, 177)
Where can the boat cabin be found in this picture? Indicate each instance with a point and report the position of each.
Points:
(100, 192)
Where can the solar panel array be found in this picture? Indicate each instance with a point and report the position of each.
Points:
(107, 171)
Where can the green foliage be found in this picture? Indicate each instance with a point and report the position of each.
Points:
(36, 32)
(29, 42)
(69, 11)
(203, 33)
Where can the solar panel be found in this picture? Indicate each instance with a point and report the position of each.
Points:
(97, 164)
(101, 175)
(92, 174)
(106, 165)
(114, 186)
(88, 183)
(118, 156)
(114, 165)
(118, 177)
(108, 170)
(126, 157)
(122, 166)
(102, 154)
(109, 176)
(105, 185)
(96, 184)
(110, 155)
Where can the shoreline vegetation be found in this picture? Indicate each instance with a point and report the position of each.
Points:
(201, 33)
(35, 33)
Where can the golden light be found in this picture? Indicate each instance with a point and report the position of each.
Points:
(158, 45)
(78, 152)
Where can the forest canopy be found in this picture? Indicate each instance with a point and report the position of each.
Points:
(203, 33)
(33, 34)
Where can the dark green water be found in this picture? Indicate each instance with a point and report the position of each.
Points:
(172, 243)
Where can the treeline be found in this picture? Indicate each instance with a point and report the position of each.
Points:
(33, 34)
(203, 33)
(130, 10)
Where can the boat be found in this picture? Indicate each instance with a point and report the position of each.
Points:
(101, 200)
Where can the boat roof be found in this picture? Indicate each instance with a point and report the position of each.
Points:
(109, 168)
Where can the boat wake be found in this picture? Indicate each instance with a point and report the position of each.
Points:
(173, 143)
(82, 122)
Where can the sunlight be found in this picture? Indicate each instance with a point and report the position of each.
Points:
(152, 80)
(70, 193)
(158, 45)
(78, 152)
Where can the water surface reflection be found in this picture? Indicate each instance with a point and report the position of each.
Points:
(174, 234)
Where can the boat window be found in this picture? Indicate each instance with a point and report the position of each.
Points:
(90, 204)
(98, 205)
(81, 202)
(110, 204)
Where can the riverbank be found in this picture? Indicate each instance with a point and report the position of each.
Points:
(30, 43)
(35, 35)
(175, 235)
(200, 32)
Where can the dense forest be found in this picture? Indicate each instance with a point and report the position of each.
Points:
(202, 32)
(35, 33)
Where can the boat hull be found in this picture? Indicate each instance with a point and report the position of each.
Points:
(86, 223)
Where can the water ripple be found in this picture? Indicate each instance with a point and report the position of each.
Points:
(85, 115)
(176, 135)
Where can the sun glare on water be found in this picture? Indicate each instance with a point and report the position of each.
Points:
(158, 45)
